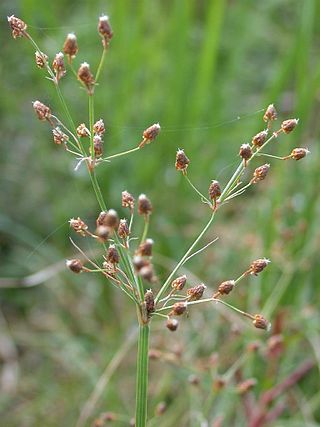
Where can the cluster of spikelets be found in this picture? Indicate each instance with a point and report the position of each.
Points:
(130, 268)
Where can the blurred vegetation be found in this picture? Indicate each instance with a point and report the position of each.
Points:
(205, 70)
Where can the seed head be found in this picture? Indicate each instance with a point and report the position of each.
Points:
(144, 205)
(258, 265)
(70, 46)
(97, 146)
(195, 293)
(79, 226)
(105, 30)
(59, 137)
(109, 218)
(149, 301)
(123, 229)
(214, 190)
(270, 114)
(43, 112)
(58, 66)
(226, 287)
(288, 125)
(299, 153)
(179, 282)
(260, 173)
(145, 248)
(82, 131)
(86, 77)
(245, 152)
(127, 200)
(113, 255)
(182, 161)
(172, 324)
(179, 308)
(103, 232)
(150, 134)
(147, 273)
(260, 322)
(246, 385)
(75, 265)
(99, 128)
(41, 59)
(18, 27)
(259, 139)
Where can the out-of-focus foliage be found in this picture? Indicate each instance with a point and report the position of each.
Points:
(205, 70)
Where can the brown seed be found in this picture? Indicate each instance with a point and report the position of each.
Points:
(74, 265)
(172, 324)
(270, 113)
(86, 77)
(103, 232)
(260, 138)
(196, 292)
(288, 125)
(144, 205)
(179, 282)
(109, 218)
(70, 46)
(147, 273)
(299, 153)
(113, 255)
(127, 200)
(258, 266)
(260, 322)
(18, 27)
(145, 248)
(179, 308)
(43, 112)
(214, 190)
(150, 134)
(260, 173)
(149, 301)
(245, 151)
(226, 287)
(41, 59)
(182, 161)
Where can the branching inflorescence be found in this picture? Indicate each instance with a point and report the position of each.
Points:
(125, 263)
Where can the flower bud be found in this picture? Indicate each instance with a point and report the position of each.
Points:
(43, 112)
(258, 266)
(113, 255)
(260, 138)
(270, 114)
(18, 27)
(245, 152)
(105, 30)
(74, 265)
(172, 324)
(58, 66)
(70, 46)
(299, 153)
(260, 322)
(288, 125)
(86, 77)
(82, 131)
(260, 173)
(127, 200)
(145, 248)
(144, 205)
(226, 287)
(41, 59)
(99, 128)
(150, 134)
(182, 161)
(123, 229)
(196, 292)
(179, 282)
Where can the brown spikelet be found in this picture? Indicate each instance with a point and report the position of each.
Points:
(182, 161)
(41, 59)
(86, 77)
(70, 47)
(18, 27)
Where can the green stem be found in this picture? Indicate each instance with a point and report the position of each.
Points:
(142, 376)
(181, 262)
(123, 153)
(203, 198)
(145, 229)
(100, 64)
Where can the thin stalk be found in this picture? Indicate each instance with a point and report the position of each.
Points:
(203, 198)
(142, 376)
(145, 229)
(101, 64)
(166, 284)
(91, 123)
(123, 153)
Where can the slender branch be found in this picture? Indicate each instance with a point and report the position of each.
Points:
(203, 198)
(122, 153)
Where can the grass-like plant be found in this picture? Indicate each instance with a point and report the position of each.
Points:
(126, 260)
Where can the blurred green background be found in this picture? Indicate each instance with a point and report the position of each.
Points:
(205, 70)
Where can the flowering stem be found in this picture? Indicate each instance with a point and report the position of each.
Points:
(142, 376)
(123, 153)
(100, 64)
(203, 198)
